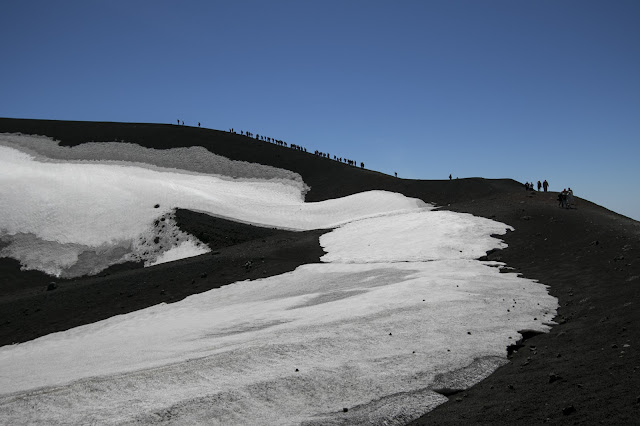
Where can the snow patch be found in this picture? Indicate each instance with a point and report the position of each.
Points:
(100, 214)
(398, 310)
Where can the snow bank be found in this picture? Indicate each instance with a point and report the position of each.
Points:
(72, 218)
(398, 308)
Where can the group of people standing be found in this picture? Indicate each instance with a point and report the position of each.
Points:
(529, 185)
(565, 198)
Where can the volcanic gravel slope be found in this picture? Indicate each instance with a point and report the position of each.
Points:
(585, 371)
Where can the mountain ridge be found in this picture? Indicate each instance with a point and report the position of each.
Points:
(584, 371)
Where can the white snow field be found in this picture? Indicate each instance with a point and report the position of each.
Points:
(79, 217)
(398, 308)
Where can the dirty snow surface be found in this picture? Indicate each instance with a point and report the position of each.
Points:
(398, 309)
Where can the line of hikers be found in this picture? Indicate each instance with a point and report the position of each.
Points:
(529, 186)
(292, 146)
(339, 159)
(297, 147)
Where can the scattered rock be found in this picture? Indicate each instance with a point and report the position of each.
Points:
(568, 410)
(156, 206)
(345, 409)
(553, 377)
(512, 349)
(52, 286)
(203, 275)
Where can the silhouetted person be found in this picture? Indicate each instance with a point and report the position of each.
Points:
(396, 173)
(539, 185)
(562, 198)
(449, 176)
(569, 198)
(361, 165)
(545, 185)
(178, 122)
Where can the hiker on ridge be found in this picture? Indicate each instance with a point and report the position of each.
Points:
(539, 185)
(569, 198)
(562, 198)
(545, 185)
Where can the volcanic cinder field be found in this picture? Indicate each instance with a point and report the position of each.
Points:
(157, 273)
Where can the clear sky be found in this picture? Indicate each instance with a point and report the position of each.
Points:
(529, 90)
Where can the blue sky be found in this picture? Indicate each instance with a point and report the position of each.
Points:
(528, 90)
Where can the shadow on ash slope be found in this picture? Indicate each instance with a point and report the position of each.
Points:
(398, 308)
